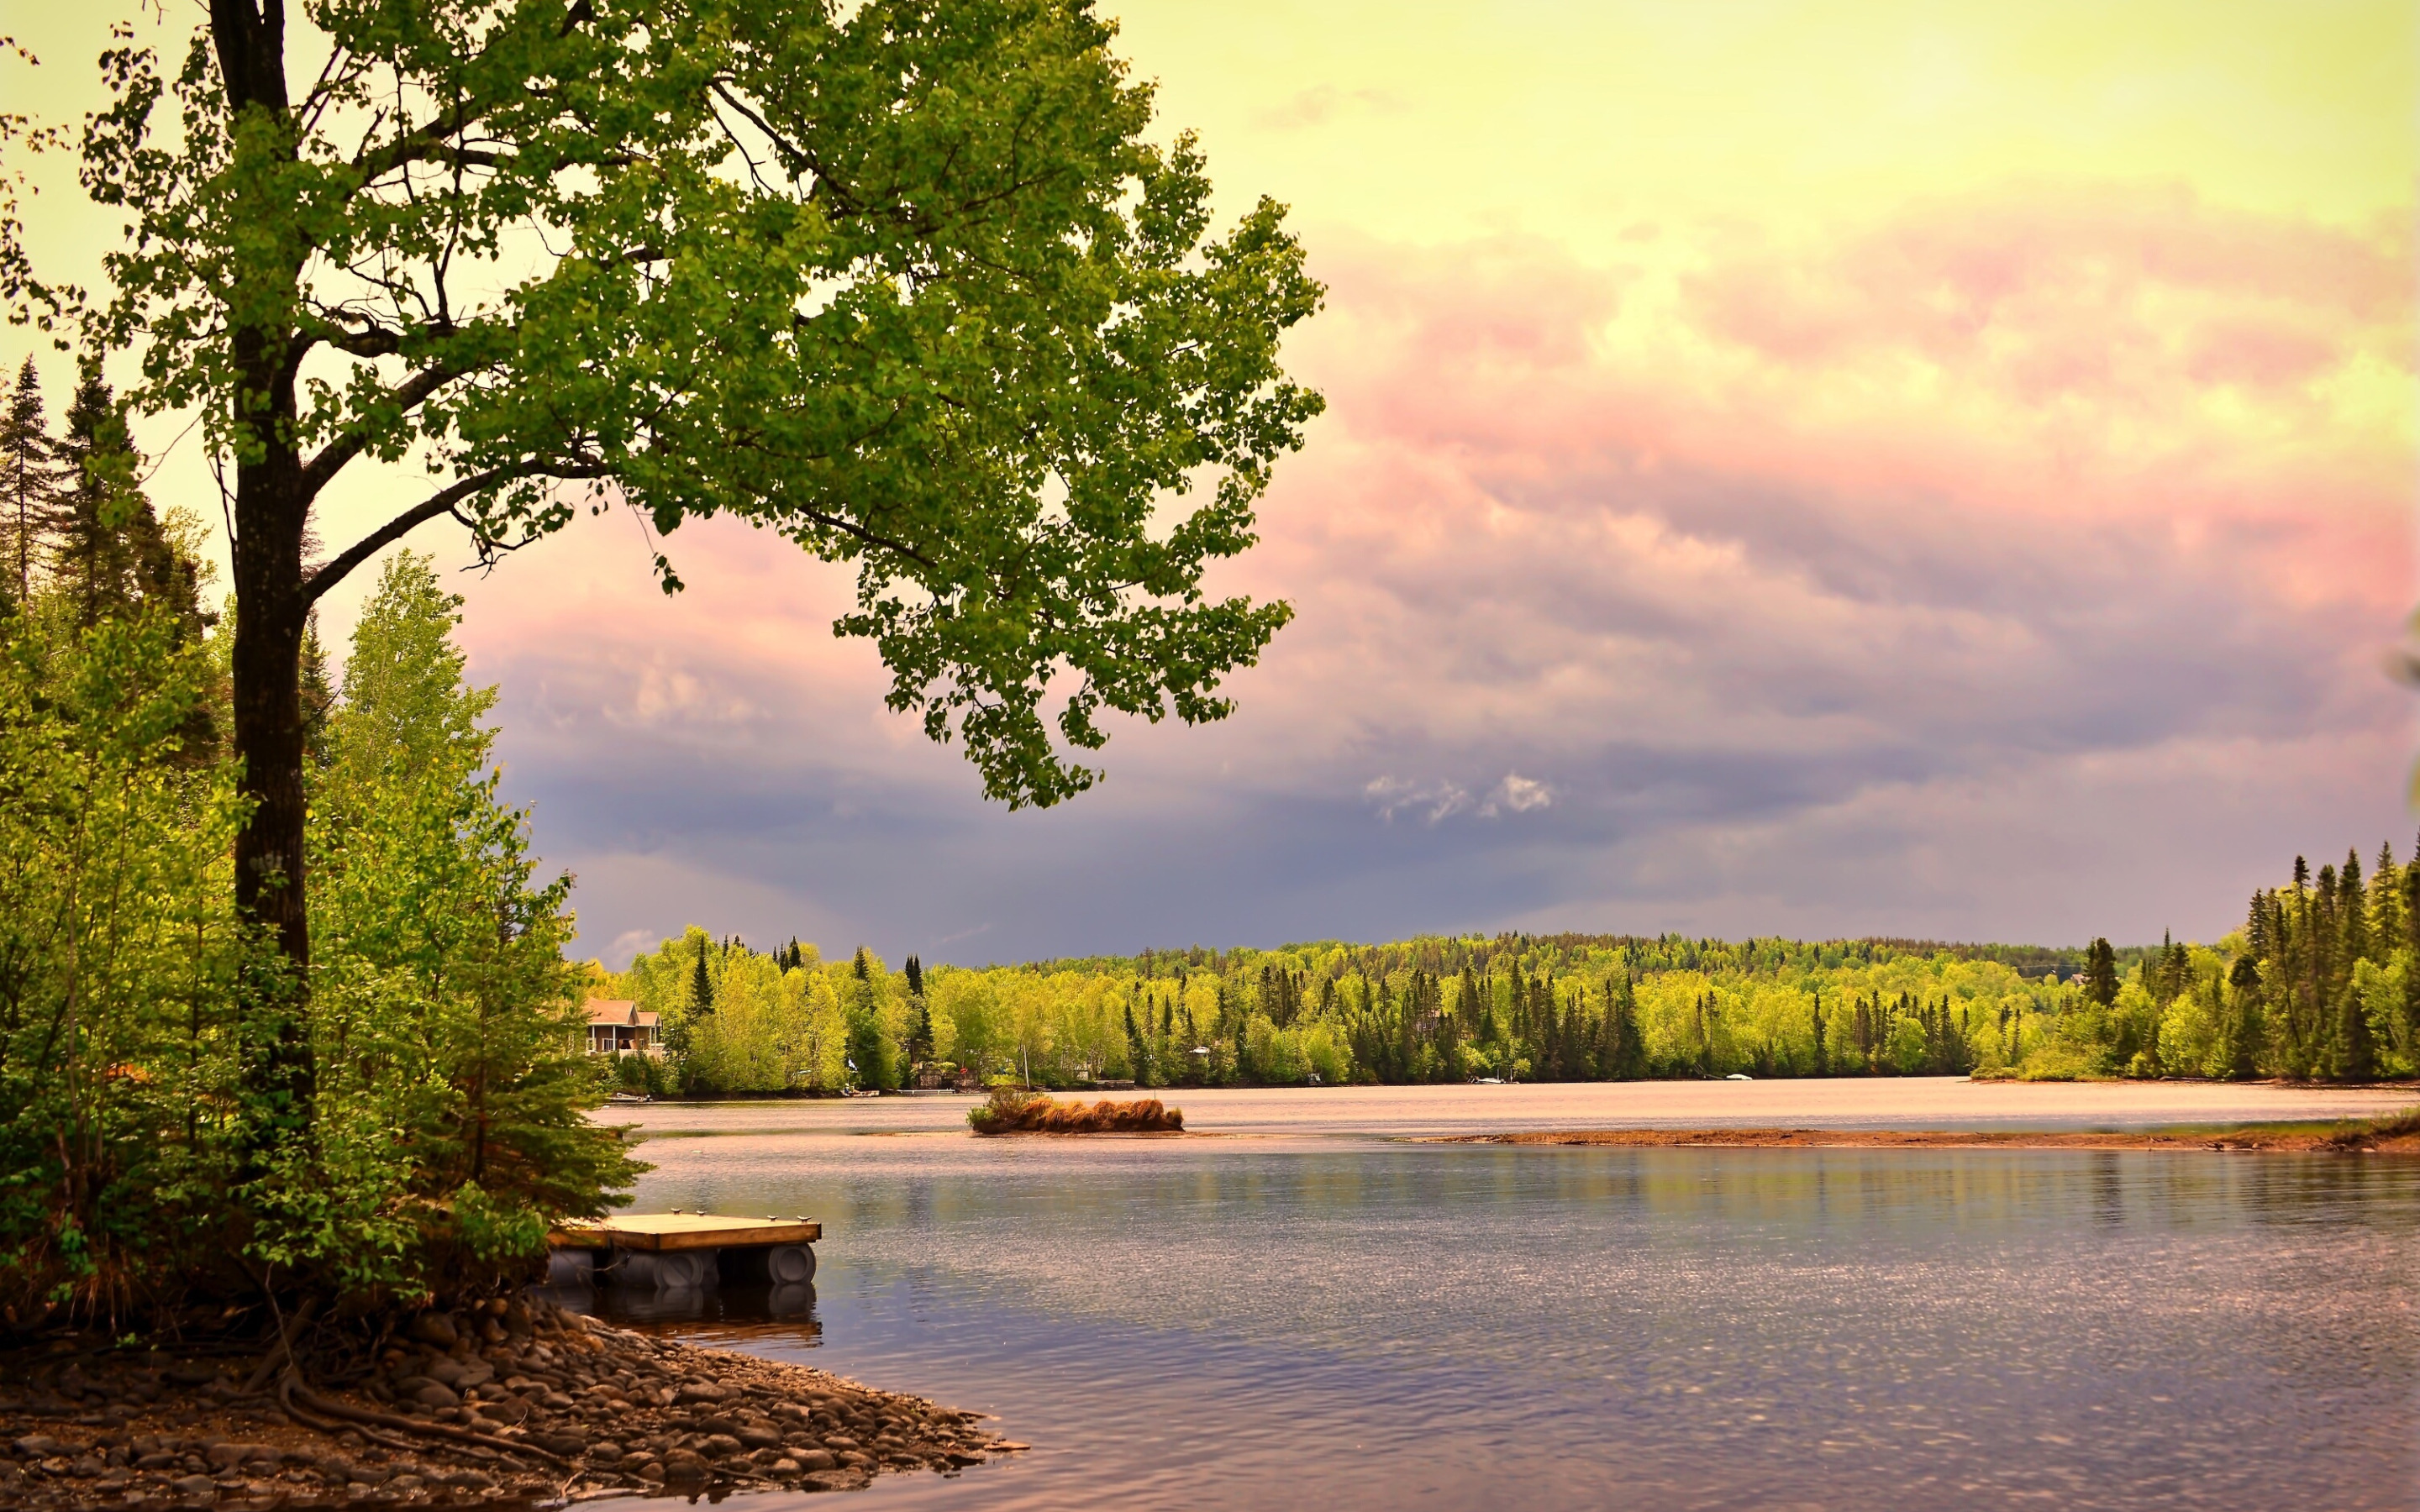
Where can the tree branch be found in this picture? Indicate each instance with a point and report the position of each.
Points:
(858, 533)
(406, 395)
(441, 502)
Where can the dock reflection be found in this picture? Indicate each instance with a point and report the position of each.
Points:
(792, 1306)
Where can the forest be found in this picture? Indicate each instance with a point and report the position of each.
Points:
(2318, 984)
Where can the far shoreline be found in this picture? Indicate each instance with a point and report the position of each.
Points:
(2393, 1135)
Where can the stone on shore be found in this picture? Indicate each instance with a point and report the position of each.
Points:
(83, 1421)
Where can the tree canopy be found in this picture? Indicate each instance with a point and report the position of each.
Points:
(905, 283)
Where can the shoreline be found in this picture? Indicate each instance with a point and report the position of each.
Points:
(524, 1404)
(2249, 1139)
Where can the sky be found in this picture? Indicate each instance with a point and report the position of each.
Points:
(1937, 471)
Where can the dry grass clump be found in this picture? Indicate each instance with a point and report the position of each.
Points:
(1011, 1111)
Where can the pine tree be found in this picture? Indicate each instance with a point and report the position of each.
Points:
(2352, 911)
(29, 484)
(867, 1052)
(2100, 973)
(2356, 1049)
(2409, 900)
(318, 696)
(1467, 1004)
(2386, 904)
(1137, 1054)
(915, 972)
(2244, 1020)
(701, 985)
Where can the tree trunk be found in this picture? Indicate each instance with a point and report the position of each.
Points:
(271, 501)
(270, 881)
(269, 617)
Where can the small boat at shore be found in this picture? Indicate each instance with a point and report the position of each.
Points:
(626, 1099)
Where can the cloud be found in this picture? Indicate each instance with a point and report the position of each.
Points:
(1434, 801)
(1321, 103)
(1516, 795)
(2009, 567)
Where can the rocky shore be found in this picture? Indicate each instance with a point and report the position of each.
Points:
(518, 1402)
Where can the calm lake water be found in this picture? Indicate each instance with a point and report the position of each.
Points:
(1317, 1313)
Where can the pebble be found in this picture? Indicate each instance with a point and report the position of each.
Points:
(624, 1410)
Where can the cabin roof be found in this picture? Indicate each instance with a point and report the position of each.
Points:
(618, 1011)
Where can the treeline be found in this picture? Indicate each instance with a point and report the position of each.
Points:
(443, 1131)
(2305, 991)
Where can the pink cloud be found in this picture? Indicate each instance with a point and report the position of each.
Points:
(1979, 522)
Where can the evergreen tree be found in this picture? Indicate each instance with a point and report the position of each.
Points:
(29, 484)
(2100, 973)
(2243, 1042)
(458, 1100)
(2409, 939)
(319, 697)
(2385, 903)
(701, 984)
(869, 1054)
(2356, 1048)
(915, 973)
(1629, 1045)
(1137, 1054)
(2352, 915)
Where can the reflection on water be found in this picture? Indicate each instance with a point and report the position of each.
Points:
(791, 1306)
(1832, 1102)
(1370, 1324)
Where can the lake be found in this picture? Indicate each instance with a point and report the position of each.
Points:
(1309, 1310)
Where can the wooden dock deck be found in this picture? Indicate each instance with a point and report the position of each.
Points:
(662, 1233)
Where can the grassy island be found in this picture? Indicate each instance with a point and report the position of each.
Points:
(1014, 1112)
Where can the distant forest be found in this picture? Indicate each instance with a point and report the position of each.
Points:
(2318, 983)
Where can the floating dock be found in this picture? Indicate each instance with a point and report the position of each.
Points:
(667, 1250)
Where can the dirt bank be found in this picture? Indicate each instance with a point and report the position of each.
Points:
(2399, 1141)
(522, 1404)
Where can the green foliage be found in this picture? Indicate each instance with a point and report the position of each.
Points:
(119, 1058)
(871, 1057)
(445, 1021)
(910, 284)
(1591, 1008)
(448, 1129)
(2332, 991)
(775, 1022)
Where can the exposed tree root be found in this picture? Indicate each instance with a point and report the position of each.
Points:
(292, 1387)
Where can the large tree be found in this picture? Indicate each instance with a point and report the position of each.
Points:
(906, 283)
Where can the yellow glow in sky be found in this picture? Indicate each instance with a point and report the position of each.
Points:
(1430, 123)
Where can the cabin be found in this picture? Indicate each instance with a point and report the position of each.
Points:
(616, 1027)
